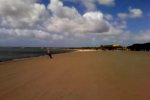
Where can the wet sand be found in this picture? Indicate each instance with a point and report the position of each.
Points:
(95, 75)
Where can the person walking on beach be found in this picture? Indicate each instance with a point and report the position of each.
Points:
(49, 54)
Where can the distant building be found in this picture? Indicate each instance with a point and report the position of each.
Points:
(114, 46)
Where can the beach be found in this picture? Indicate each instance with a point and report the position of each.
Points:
(90, 75)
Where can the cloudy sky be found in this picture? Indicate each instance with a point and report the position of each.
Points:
(73, 22)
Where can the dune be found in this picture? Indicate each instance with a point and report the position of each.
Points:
(97, 75)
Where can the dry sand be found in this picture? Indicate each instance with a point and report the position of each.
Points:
(78, 76)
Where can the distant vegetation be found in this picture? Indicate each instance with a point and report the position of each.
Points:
(103, 47)
(140, 47)
(134, 47)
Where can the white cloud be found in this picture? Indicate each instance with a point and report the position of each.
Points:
(107, 2)
(58, 9)
(143, 36)
(123, 15)
(17, 13)
(30, 20)
(69, 20)
(91, 4)
(28, 34)
(133, 13)
(132, 37)
(108, 17)
(120, 24)
(27, 20)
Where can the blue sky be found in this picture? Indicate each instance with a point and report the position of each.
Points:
(74, 22)
(123, 6)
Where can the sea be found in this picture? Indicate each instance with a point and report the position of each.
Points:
(11, 53)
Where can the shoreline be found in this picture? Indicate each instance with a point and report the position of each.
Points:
(20, 58)
(76, 50)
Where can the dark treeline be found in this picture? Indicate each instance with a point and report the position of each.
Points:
(140, 47)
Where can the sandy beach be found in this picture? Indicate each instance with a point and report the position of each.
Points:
(95, 75)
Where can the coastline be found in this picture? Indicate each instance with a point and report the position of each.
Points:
(20, 54)
(19, 58)
(67, 51)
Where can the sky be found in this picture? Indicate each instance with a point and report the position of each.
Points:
(59, 23)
